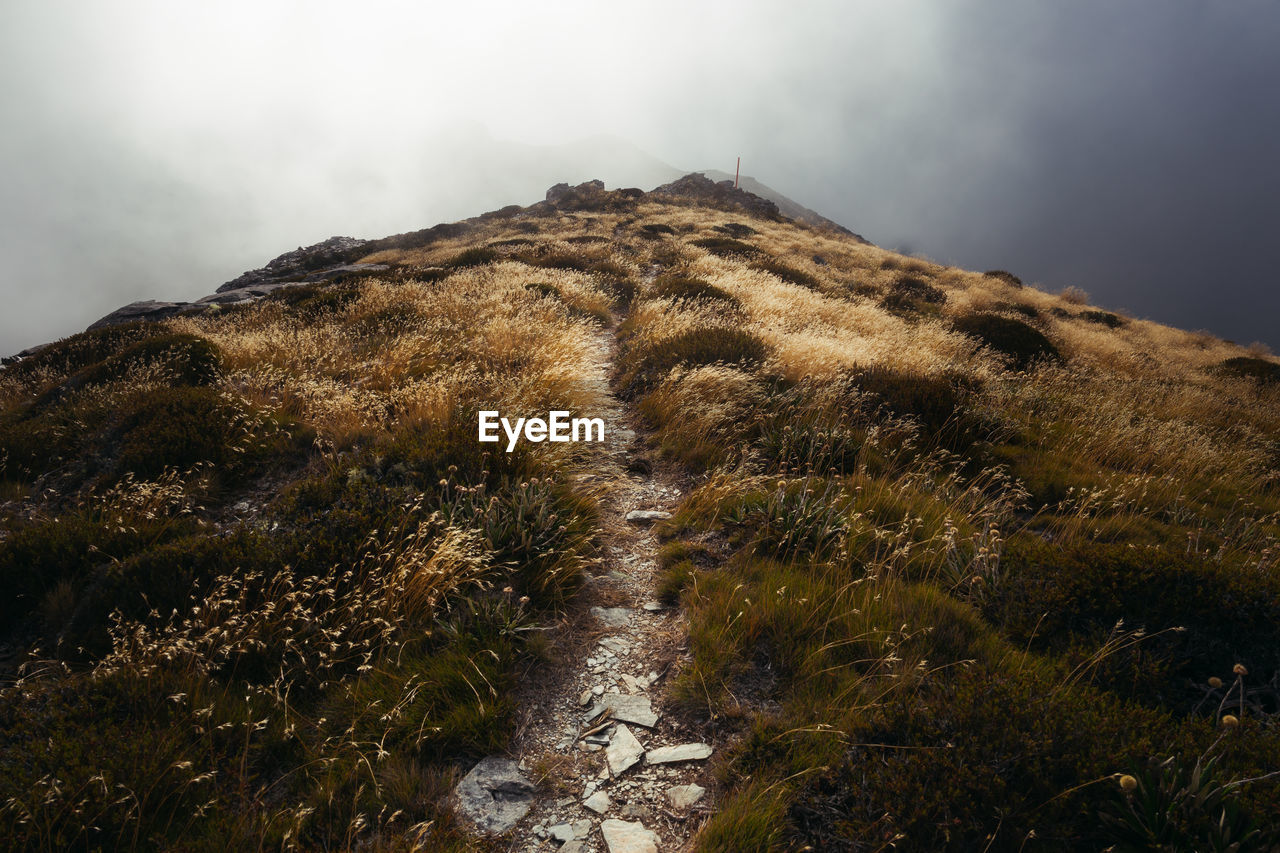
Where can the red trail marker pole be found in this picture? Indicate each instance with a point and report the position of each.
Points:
(736, 172)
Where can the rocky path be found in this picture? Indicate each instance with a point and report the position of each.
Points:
(600, 764)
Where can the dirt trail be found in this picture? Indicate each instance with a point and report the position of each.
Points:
(621, 643)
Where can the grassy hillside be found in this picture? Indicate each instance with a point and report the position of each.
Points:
(965, 564)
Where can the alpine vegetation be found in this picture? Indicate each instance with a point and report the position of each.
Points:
(647, 518)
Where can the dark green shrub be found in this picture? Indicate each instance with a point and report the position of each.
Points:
(981, 759)
(1179, 808)
(36, 557)
(174, 427)
(185, 359)
(1052, 594)
(316, 300)
(587, 238)
(542, 288)
(736, 230)
(644, 365)
(513, 241)
(680, 288)
(1005, 276)
(1103, 318)
(1028, 311)
(99, 765)
(789, 274)
(655, 230)
(918, 290)
(937, 403)
(1249, 367)
(163, 578)
(726, 247)
(477, 256)
(70, 355)
(1023, 344)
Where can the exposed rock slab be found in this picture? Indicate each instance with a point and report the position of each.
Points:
(623, 752)
(495, 795)
(612, 617)
(647, 516)
(626, 708)
(624, 837)
(683, 752)
(144, 309)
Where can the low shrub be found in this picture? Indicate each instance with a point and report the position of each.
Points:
(1022, 344)
(643, 365)
(983, 759)
(726, 247)
(1103, 318)
(1248, 367)
(919, 290)
(736, 230)
(1054, 594)
(71, 355)
(655, 230)
(1028, 311)
(682, 288)
(1005, 276)
(477, 256)
(789, 274)
(938, 403)
(316, 300)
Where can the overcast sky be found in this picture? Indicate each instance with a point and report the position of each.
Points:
(157, 149)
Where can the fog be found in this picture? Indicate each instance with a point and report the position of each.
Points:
(156, 149)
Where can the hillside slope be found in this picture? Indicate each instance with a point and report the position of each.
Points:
(951, 563)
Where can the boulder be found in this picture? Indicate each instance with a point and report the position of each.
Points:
(495, 795)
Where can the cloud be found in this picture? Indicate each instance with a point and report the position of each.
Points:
(157, 149)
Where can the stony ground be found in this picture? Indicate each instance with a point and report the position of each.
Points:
(600, 763)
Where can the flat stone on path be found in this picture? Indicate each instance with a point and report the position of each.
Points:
(626, 708)
(624, 837)
(624, 751)
(612, 617)
(647, 516)
(683, 796)
(683, 752)
(495, 795)
(597, 802)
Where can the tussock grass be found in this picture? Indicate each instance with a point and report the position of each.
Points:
(937, 612)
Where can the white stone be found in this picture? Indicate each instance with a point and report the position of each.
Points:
(683, 796)
(625, 708)
(614, 646)
(624, 837)
(561, 832)
(647, 516)
(597, 802)
(683, 752)
(612, 617)
(624, 751)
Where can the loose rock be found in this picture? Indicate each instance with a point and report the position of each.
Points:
(626, 708)
(683, 796)
(612, 617)
(623, 751)
(495, 795)
(683, 752)
(624, 837)
(597, 802)
(647, 516)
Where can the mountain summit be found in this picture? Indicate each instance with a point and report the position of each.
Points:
(637, 521)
